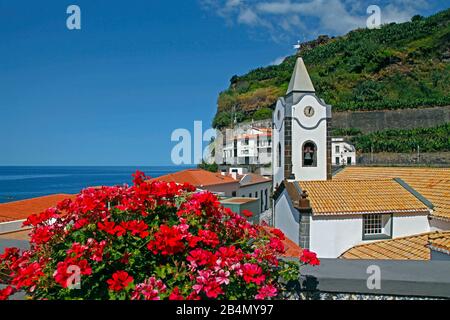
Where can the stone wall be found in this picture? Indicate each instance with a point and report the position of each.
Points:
(369, 121)
(387, 158)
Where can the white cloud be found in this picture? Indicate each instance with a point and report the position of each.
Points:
(284, 19)
(247, 16)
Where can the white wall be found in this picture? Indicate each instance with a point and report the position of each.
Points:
(287, 217)
(314, 129)
(406, 225)
(244, 191)
(278, 137)
(227, 189)
(331, 236)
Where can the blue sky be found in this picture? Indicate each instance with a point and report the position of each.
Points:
(113, 92)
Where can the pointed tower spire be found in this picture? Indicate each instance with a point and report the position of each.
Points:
(300, 80)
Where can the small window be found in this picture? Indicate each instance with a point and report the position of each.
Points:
(372, 224)
(349, 160)
(337, 160)
(266, 199)
(337, 149)
(249, 195)
(233, 194)
(261, 199)
(377, 226)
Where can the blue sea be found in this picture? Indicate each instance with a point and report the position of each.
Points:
(17, 183)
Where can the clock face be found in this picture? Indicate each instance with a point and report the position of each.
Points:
(309, 111)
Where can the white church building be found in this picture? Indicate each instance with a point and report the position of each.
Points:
(330, 215)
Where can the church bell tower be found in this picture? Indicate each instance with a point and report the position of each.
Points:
(301, 132)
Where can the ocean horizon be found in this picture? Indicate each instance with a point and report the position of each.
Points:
(24, 182)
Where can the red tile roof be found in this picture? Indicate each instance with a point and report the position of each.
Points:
(197, 177)
(22, 209)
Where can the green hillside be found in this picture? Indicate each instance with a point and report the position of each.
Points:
(401, 140)
(398, 66)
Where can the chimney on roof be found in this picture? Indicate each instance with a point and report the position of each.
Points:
(303, 203)
(234, 175)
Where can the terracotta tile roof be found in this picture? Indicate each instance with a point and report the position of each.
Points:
(440, 243)
(414, 247)
(19, 210)
(432, 183)
(363, 196)
(197, 177)
(292, 249)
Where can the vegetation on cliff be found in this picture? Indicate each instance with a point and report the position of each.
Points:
(398, 66)
(405, 140)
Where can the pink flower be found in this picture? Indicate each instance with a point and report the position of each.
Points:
(266, 291)
(149, 290)
(222, 277)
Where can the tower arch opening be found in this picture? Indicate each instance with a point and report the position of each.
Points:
(309, 154)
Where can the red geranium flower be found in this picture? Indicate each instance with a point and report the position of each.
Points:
(168, 240)
(201, 249)
(309, 257)
(278, 233)
(253, 273)
(119, 280)
(5, 293)
(136, 228)
(247, 213)
(175, 294)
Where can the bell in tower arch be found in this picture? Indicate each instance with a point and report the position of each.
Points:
(309, 154)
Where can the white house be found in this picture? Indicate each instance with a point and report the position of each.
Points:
(247, 146)
(342, 152)
(329, 216)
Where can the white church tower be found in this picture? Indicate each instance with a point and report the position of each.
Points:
(301, 132)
